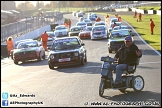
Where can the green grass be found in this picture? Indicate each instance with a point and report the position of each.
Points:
(150, 7)
(143, 28)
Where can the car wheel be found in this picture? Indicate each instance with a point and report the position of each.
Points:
(39, 58)
(50, 66)
(23, 61)
(85, 60)
(44, 56)
(16, 62)
(82, 62)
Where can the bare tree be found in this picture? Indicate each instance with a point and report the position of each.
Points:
(29, 5)
(20, 6)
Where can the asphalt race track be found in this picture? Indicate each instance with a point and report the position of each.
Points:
(78, 86)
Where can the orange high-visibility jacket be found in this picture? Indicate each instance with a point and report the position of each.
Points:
(135, 13)
(152, 24)
(10, 45)
(140, 16)
(44, 37)
(64, 24)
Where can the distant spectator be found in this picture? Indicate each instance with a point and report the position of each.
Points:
(135, 14)
(107, 16)
(116, 15)
(119, 19)
(152, 26)
(140, 17)
(69, 23)
(64, 23)
(107, 19)
(10, 45)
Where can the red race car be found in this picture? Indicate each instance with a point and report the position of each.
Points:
(86, 33)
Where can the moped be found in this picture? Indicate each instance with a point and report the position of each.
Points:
(129, 80)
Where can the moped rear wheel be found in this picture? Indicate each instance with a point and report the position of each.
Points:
(101, 88)
(138, 83)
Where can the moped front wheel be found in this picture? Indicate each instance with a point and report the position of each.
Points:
(101, 87)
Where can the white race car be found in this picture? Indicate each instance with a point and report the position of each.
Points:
(88, 22)
(99, 32)
(82, 24)
(61, 31)
(99, 23)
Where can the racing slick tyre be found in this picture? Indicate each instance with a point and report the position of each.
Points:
(16, 62)
(82, 62)
(137, 83)
(50, 66)
(101, 88)
(44, 56)
(85, 60)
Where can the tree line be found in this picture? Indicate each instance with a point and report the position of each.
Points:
(75, 4)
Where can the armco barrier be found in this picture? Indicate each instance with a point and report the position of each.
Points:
(151, 11)
(133, 9)
(138, 10)
(158, 12)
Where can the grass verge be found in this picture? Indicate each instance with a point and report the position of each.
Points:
(143, 28)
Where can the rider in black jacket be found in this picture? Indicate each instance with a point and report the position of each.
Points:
(128, 53)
